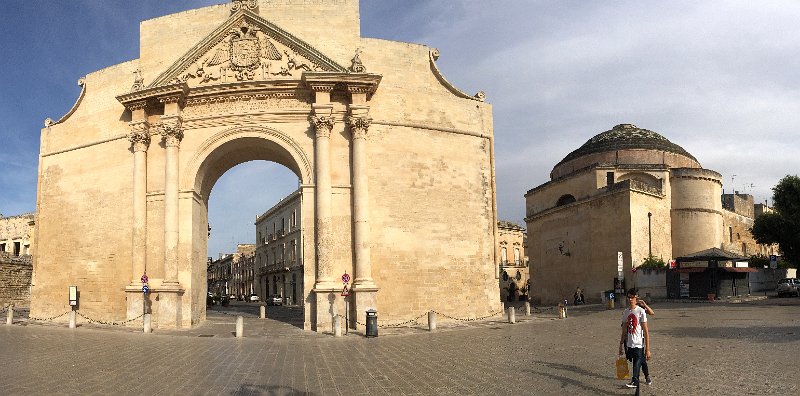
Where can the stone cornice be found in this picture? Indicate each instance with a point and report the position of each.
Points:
(130, 99)
(354, 82)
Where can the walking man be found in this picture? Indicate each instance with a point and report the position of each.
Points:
(635, 338)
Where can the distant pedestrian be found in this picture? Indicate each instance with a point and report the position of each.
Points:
(577, 299)
(634, 340)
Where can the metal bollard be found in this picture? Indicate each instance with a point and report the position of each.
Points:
(10, 314)
(239, 326)
(72, 319)
(263, 312)
(337, 326)
(512, 315)
(527, 308)
(148, 327)
(431, 321)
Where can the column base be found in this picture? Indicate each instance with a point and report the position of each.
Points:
(135, 303)
(327, 302)
(168, 313)
(364, 298)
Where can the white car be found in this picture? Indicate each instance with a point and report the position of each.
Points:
(788, 287)
(254, 298)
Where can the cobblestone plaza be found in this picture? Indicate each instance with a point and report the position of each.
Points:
(698, 348)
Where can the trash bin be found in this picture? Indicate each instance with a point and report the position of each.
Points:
(609, 299)
(372, 323)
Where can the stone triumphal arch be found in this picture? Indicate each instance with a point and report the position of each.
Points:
(395, 165)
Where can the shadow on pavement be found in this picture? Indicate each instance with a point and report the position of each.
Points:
(765, 334)
(292, 315)
(569, 377)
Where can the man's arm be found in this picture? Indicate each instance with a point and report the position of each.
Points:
(646, 307)
(646, 333)
(622, 339)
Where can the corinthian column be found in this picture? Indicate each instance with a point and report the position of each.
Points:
(140, 140)
(359, 125)
(173, 134)
(323, 123)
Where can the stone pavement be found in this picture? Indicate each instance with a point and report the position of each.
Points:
(718, 349)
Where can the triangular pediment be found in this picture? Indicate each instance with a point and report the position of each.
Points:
(246, 47)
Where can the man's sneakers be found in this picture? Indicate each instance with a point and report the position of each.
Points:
(632, 384)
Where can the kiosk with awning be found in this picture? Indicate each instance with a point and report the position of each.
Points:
(710, 273)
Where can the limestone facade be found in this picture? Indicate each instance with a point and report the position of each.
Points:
(16, 234)
(279, 259)
(513, 264)
(395, 164)
(627, 193)
(243, 271)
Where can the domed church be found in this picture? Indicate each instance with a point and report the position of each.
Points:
(626, 194)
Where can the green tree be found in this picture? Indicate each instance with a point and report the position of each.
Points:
(783, 225)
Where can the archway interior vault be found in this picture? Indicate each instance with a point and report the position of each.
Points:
(238, 151)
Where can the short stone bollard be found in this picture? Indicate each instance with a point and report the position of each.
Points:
(337, 326)
(148, 326)
(527, 308)
(263, 312)
(512, 315)
(239, 326)
(562, 313)
(72, 319)
(431, 321)
(10, 314)
(502, 306)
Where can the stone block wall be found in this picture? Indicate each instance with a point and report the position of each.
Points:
(15, 280)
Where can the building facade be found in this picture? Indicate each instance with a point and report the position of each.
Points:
(625, 195)
(16, 234)
(279, 259)
(369, 127)
(514, 279)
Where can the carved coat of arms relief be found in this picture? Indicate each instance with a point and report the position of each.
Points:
(245, 54)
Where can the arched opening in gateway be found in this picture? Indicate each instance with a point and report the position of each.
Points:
(248, 219)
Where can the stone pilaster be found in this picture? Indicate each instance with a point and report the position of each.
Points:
(170, 293)
(323, 124)
(364, 288)
(173, 134)
(139, 137)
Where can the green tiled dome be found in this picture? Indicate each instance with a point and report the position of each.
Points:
(626, 137)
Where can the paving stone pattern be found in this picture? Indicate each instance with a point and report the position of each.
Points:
(708, 349)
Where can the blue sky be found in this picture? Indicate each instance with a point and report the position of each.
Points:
(719, 78)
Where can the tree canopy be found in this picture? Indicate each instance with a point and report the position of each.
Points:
(783, 225)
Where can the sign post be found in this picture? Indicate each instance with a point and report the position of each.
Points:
(346, 294)
(773, 261)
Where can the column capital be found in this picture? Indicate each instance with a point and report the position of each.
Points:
(170, 129)
(359, 126)
(322, 119)
(139, 135)
(323, 125)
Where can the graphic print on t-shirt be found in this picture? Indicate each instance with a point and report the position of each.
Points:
(633, 322)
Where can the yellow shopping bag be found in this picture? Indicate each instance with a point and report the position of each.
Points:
(622, 368)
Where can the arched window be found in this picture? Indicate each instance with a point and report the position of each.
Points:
(565, 199)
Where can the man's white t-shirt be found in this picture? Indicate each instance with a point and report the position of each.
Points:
(632, 319)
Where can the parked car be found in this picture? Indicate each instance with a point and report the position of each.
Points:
(788, 287)
(275, 299)
(254, 298)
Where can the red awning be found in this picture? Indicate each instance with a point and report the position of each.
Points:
(690, 269)
(740, 269)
